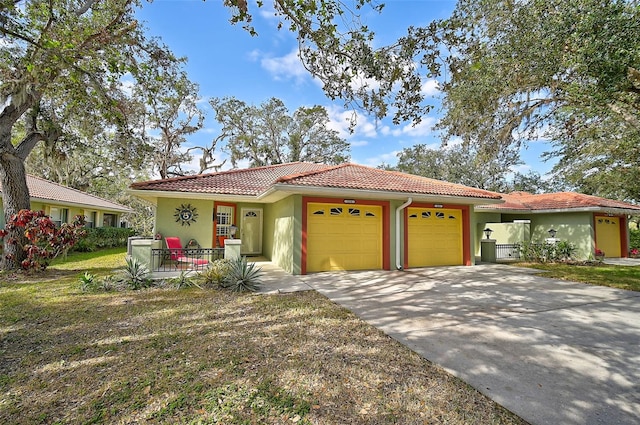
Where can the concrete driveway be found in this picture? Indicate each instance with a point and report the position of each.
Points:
(553, 352)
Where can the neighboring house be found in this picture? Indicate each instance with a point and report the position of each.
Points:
(62, 203)
(312, 217)
(589, 222)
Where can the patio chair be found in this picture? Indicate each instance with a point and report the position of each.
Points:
(182, 256)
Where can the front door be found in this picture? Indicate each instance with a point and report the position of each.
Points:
(251, 231)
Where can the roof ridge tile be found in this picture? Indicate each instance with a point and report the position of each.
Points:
(289, 177)
(216, 173)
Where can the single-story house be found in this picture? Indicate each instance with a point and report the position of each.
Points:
(308, 217)
(62, 203)
(588, 222)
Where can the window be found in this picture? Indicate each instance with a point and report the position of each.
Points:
(336, 211)
(109, 220)
(354, 212)
(426, 214)
(319, 212)
(90, 219)
(224, 220)
(54, 213)
(369, 214)
(440, 214)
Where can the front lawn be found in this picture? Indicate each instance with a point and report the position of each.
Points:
(622, 277)
(196, 356)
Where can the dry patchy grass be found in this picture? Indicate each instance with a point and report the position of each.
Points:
(208, 356)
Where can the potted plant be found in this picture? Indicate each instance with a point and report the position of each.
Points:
(634, 253)
(599, 254)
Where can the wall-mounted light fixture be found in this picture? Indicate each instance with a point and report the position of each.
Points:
(487, 232)
(552, 233)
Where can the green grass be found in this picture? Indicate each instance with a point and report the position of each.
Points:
(622, 277)
(192, 356)
(97, 261)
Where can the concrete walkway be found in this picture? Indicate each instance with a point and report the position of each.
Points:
(553, 352)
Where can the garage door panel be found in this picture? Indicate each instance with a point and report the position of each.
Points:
(608, 236)
(343, 237)
(434, 237)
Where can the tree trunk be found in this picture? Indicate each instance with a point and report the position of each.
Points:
(15, 196)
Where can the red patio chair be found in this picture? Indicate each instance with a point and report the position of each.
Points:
(178, 254)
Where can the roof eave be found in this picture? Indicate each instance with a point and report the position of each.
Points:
(153, 195)
(122, 209)
(605, 210)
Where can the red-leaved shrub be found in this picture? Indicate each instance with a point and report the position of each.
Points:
(44, 240)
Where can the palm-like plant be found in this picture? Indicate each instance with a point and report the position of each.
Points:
(243, 276)
(136, 273)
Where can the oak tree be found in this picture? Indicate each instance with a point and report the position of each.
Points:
(62, 59)
(269, 134)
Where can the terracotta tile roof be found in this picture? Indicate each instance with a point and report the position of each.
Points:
(49, 191)
(250, 181)
(523, 201)
(254, 181)
(353, 176)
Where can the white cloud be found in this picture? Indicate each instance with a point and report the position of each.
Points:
(389, 158)
(340, 119)
(127, 84)
(358, 143)
(521, 168)
(456, 141)
(284, 67)
(425, 128)
(430, 88)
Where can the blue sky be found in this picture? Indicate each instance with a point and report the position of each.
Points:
(226, 61)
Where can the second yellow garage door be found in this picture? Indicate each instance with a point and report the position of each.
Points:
(434, 237)
(343, 237)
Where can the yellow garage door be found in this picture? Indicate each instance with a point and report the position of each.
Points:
(434, 237)
(343, 237)
(608, 235)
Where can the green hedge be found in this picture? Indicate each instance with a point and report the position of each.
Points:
(634, 238)
(104, 237)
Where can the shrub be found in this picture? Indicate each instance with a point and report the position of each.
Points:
(243, 276)
(109, 283)
(44, 240)
(216, 272)
(136, 274)
(547, 252)
(634, 238)
(103, 237)
(87, 282)
(183, 281)
(564, 251)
